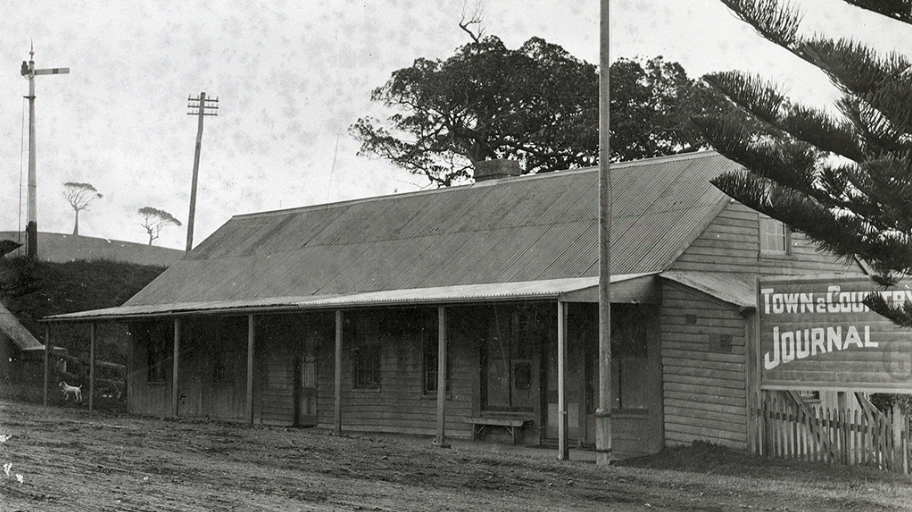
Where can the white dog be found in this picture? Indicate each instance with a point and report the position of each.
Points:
(67, 389)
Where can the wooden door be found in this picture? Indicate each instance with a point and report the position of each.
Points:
(306, 382)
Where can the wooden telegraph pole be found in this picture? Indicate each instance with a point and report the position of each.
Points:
(31, 228)
(204, 107)
(603, 413)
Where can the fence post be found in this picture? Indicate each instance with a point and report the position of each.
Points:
(764, 427)
(905, 443)
(812, 419)
(780, 452)
(882, 444)
(896, 427)
(844, 416)
(854, 433)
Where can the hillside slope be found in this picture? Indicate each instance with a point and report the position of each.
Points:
(32, 290)
(59, 247)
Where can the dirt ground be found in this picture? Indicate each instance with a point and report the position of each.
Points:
(70, 460)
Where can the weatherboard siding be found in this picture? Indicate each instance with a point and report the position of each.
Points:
(731, 243)
(279, 349)
(705, 396)
(273, 397)
(144, 397)
(399, 405)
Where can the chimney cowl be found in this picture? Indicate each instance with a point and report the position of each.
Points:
(496, 169)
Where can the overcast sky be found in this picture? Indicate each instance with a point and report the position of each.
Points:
(291, 77)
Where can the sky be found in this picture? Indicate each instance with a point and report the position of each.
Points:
(291, 78)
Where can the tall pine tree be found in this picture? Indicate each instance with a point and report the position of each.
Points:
(843, 180)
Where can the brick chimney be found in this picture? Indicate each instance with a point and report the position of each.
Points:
(496, 169)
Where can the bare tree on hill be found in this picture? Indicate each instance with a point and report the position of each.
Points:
(79, 195)
(154, 220)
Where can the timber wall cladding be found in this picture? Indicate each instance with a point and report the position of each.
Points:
(278, 353)
(703, 355)
(148, 398)
(213, 369)
(731, 243)
(274, 394)
(399, 405)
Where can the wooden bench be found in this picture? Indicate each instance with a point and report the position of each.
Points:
(514, 424)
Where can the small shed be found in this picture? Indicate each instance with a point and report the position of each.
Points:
(21, 359)
(471, 312)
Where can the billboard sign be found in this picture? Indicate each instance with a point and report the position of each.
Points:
(817, 334)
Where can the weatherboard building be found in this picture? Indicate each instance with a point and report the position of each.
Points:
(335, 315)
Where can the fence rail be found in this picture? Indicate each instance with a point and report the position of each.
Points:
(836, 436)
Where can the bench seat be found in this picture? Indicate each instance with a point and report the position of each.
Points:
(514, 424)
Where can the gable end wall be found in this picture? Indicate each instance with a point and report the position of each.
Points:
(731, 243)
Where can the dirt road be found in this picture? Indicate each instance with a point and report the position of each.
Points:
(71, 461)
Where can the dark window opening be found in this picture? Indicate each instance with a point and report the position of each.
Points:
(629, 356)
(365, 352)
(158, 356)
(158, 338)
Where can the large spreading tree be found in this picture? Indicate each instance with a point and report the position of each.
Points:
(536, 104)
(844, 179)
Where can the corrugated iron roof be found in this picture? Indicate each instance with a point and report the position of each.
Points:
(737, 289)
(12, 328)
(531, 228)
(471, 293)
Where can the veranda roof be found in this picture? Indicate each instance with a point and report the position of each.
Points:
(628, 289)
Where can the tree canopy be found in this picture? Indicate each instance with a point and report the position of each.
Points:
(843, 180)
(536, 104)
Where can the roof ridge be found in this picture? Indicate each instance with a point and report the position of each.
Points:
(525, 177)
(668, 158)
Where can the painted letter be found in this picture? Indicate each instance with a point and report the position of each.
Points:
(817, 339)
(807, 302)
(832, 305)
(766, 299)
(867, 337)
(852, 337)
(769, 365)
(791, 302)
(858, 306)
(778, 304)
(788, 347)
(834, 337)
(802, 347)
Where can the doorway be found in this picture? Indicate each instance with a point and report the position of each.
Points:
(510, 373)
(305, 385)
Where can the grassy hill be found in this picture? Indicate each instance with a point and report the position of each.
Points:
(32, 290)
(58, 247)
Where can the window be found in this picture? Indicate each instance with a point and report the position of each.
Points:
(366, 351)
(224, 338)
(430, 343)
(629, 353)
(222, 365)
(774, 236)
(157, 355)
